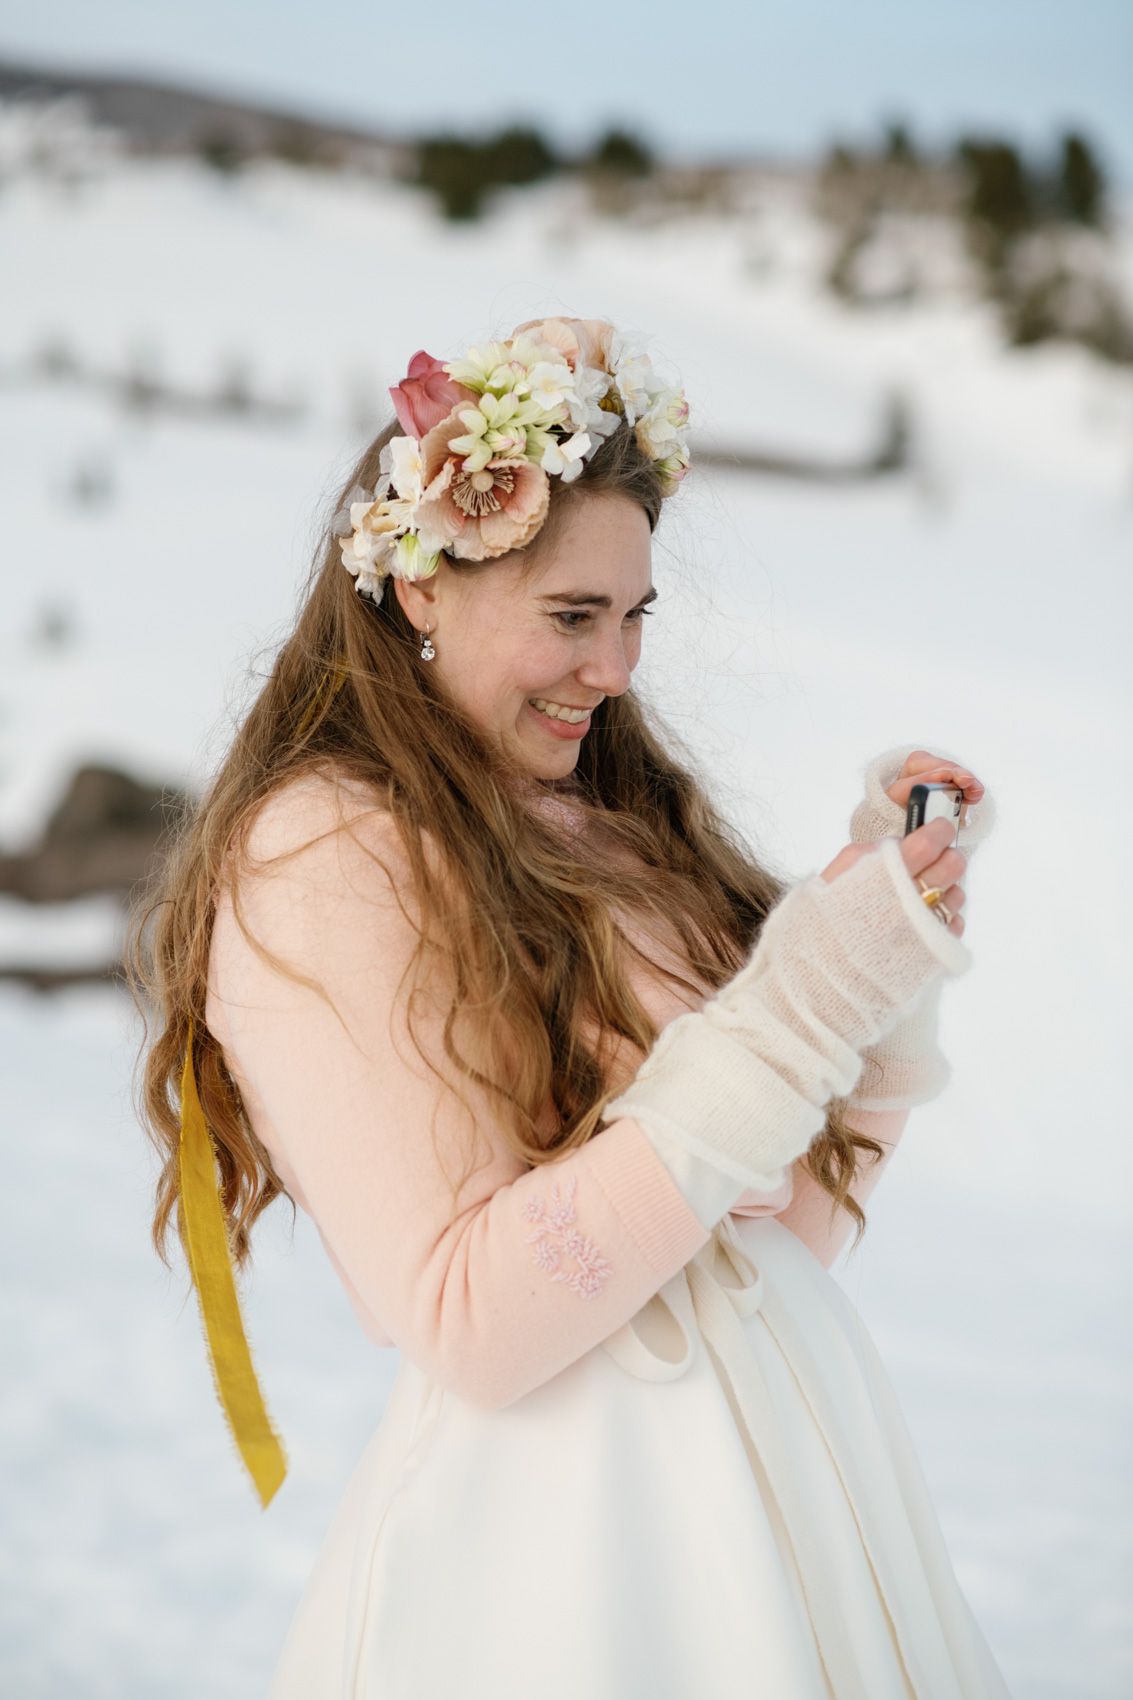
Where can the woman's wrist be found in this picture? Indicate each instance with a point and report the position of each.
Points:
(745, 1081)
(907, 1066)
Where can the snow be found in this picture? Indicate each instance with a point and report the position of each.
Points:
(979, 604)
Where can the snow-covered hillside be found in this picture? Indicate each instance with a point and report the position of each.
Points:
(979, 604)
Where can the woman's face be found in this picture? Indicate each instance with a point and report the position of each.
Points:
(570, 636)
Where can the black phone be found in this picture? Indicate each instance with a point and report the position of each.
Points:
(930, 802)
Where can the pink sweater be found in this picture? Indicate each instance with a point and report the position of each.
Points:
(537, 1265)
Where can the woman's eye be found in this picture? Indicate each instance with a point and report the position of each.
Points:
(581, 616)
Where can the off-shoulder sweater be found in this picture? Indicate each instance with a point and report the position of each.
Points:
(535, 1265)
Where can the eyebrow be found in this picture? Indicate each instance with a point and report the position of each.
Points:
(591, 598)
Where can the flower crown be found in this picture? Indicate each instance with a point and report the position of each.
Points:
(485, 433)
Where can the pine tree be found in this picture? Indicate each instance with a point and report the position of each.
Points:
(1080, 183)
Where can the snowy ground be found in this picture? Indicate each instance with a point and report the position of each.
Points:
(980, 605)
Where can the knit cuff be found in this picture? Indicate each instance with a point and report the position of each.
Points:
(907, 1066)
(878, 816)
(953, 953)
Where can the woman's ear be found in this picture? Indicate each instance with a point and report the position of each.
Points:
(418, 598)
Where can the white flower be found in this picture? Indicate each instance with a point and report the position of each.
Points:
(551, 384)
(633, 375)
(566, 459)
(660, 426)
(585, 411)
(370, 584)
(401, 459)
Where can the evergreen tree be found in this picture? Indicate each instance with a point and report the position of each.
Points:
(899, 148)
(518, 155)
(452, 168)
(622, 155)
(1000, 193)
(1080, 185)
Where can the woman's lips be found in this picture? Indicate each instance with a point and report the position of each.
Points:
(559, 728)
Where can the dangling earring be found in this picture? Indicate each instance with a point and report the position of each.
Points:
(427, 650)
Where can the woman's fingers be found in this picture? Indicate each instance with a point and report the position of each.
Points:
(845, 858)
(930, 855)
(927, 854)
(923, 768)
(929, 846)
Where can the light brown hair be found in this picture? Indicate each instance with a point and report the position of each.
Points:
(528, 923)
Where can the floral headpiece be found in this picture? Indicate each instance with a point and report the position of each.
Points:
(484, 434)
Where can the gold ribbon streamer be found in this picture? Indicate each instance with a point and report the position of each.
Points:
(231, 1359)
(211, 1266)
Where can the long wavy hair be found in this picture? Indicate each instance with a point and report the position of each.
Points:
(528, 919)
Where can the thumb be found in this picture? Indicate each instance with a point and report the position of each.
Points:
(845, 859)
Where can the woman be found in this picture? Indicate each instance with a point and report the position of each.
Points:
(579, 1094)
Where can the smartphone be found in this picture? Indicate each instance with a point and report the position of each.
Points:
(929, 802)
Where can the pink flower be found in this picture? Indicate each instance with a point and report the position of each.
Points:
(476, 516)
(584, 342)
(426, 394)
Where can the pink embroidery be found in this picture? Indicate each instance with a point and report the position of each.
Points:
(554, 1233)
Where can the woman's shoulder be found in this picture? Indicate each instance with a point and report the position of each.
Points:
(310, 817)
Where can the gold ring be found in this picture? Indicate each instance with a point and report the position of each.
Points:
(934, 897)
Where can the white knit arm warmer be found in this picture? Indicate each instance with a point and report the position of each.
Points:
(907, 1066)
(744, 1082)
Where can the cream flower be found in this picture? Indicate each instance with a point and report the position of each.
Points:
(502, 366)
(672, 469)
(633, 376)
(566, 459)
(659, 428)
(551, 384)
(401, 461)
(411, 560)
(475, 370)
(495, 427)
(594, 405)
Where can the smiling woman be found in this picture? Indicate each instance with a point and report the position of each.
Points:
(525, 662)
(620, 1343)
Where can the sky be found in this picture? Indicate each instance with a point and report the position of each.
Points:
(715, 77)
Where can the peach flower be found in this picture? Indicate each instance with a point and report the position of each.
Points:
(480, 514)
(426, 394)
(581, 342)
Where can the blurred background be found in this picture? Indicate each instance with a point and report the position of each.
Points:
(889, 252)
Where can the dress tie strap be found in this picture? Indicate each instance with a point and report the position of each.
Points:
(701, 1299)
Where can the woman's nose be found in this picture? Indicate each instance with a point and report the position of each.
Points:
(609, 666)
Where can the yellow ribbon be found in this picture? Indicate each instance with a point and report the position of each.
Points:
(211, 1265)
(233, 1371)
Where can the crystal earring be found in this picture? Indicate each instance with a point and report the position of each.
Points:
(427, 650)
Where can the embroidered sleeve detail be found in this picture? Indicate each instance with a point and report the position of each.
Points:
(555, 1233)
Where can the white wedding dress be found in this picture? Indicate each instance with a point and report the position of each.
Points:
(722, 1499)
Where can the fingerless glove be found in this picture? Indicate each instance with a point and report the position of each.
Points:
(907, 1066)
(744, 1081)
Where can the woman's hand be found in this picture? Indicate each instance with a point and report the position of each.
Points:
(888, 780)
(929, 855)
(923, 768)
